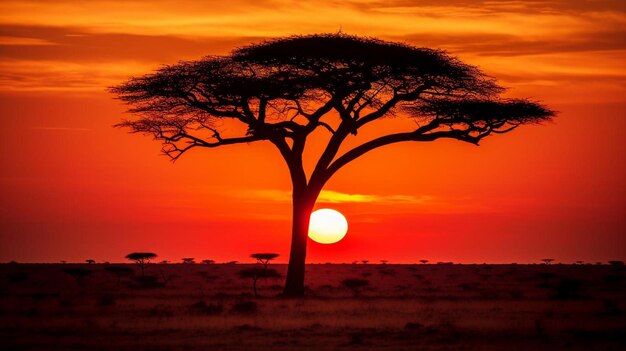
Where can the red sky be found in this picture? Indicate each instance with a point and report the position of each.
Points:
(72, 187)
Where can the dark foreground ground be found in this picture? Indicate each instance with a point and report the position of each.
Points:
(405, 307)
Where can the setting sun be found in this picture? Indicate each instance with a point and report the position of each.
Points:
(327, 226)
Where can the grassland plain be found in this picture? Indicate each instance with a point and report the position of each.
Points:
(403, 307)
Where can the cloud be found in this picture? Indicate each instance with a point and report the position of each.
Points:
(495, 44)
(329, 196)
(63, 129)
(82, 44)
(55, 45)
(335, 197)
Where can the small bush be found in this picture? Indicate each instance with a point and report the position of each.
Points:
(17, 277)
(568, 289)
(355, 284)
(245, 307)
(148, 281)
(160, 311)
(78, 273)
(107, 300)
(203, 308)
(413, 326)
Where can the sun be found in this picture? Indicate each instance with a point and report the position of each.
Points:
(327, 226)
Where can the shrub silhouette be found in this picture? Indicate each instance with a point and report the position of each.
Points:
(17, 277)
(208, 261)
(424, 261)
(141, 258)
(203, 308)
(188, 260)
(119, 272)
(257, 273)
(547, 260)
(79, 274)
(90, 261)
(245, 307)
(148, 281)
(264, 258)
(568, 289)
(355, 284)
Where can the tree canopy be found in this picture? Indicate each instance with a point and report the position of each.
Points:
(280, 90)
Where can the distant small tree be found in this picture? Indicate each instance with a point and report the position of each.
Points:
(355, 284)
(79, 274)
(616, 263)
(424, 261)
(257, 273)
(384, 261)
(63, 261)
(264, 258)
(232, 262)
(547, 260)
(188, 260)
(208, 261)
(580, 262)
(164, 262)
(90, 261)
(365, 261)
(141, 258)
(119, 272)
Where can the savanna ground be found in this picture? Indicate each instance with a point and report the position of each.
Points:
(404, 307)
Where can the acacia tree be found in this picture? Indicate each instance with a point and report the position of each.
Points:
(141, 258)
(281, 91)
(264, 258)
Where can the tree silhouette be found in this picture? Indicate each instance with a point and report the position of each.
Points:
(547, 260)
(119, 271)
(79, 274)
(257, 273)
(281, 91)
(188, 260)
(141, 258)
(264, 258)
(90, 261)
(355, 284)
(208, 261)
(424, 261)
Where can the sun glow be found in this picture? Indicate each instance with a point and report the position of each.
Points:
(327, 226)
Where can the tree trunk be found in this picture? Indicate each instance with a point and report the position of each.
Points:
(302, 207)
(254, 287)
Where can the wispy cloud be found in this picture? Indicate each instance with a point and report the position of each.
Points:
(63, 129)
(335, 197)
(329, 196)
(56, 45)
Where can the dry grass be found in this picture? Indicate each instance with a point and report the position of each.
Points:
(404, 307)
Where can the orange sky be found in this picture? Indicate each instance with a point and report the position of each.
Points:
(72, 187)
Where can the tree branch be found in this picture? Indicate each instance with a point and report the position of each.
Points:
(421, 134)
